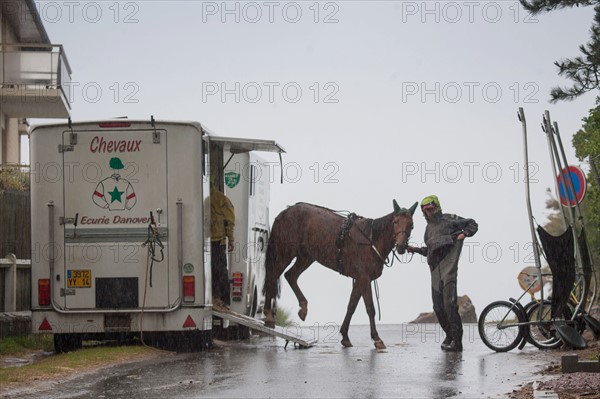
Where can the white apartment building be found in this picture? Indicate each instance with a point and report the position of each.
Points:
(34, 76)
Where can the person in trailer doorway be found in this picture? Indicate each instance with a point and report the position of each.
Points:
(444, 237)
(222, 223)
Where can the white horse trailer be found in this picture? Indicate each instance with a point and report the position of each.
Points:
(121, 231)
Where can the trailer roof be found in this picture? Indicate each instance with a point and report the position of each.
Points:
(237, 145)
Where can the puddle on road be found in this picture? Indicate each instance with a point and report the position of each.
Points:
(30, 358)
(14, 362)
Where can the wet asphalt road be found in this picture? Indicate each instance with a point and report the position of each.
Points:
(412, 366)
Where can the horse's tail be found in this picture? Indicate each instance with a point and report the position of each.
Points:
(271, 287)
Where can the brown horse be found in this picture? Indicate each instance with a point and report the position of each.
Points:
(355, 247)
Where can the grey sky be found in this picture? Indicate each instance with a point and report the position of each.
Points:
(372, 101)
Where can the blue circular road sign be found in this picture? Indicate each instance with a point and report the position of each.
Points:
(579, 186)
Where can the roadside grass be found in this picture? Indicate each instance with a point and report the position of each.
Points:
(61, 364)
(283, 317)
(11, 346)
(76, 361)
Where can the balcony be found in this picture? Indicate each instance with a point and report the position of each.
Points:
(34, 81)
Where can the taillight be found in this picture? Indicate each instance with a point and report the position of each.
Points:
(189, 294)
(44, 292)
(236, 291)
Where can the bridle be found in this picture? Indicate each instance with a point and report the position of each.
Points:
(397, 233)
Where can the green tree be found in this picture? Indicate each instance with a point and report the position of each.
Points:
(13, 179)
(587, 146)
(584, 69)
(554, 223)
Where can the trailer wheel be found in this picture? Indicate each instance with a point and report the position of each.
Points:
(180, 341)
(67, 342)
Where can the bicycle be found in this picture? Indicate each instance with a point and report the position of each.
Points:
(504, 325)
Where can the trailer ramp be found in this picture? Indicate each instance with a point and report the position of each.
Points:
(259, 325)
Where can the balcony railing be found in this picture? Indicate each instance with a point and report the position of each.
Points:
(35, 65)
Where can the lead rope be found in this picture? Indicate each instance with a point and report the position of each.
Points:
(150, 242)
(144, 299)
(399, 260)
(376, 286)
(386, 262)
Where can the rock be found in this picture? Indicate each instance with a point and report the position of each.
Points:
(426, 317)
(465, 309)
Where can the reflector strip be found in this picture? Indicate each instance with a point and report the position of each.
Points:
(45, 326)
(189, 323)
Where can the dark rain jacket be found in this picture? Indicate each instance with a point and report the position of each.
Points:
(441, 232)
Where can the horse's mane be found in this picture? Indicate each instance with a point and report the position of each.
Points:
(377, 225)
(340, 212)
(380, 224)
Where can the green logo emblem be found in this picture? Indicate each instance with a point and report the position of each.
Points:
(232, 179)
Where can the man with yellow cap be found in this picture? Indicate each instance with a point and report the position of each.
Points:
(444, 237)
(222, 223)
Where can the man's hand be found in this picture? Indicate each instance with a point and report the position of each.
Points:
(230, 245)
(410, 249)
(461, 236)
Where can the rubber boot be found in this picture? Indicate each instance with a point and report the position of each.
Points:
(454, 321)
(446, 342)
(455, 346)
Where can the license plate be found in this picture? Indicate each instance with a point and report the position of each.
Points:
(79, 278)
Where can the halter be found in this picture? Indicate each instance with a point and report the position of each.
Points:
(386, 261)
(397, 233)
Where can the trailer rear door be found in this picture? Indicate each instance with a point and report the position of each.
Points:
(115, 179)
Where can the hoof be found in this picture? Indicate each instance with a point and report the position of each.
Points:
(346, 343)
(269, 319)
(380, 345)
(302, 314)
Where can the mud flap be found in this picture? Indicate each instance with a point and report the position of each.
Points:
(523, 329)
(569, 335)
(592, 324)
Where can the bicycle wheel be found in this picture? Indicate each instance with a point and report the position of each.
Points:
(542, 333)
(498, 326)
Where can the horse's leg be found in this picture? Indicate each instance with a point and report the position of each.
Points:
(302, 263)
(354, 298)
(270, 293)
(275, 265)
(368, 299)
(268, 312)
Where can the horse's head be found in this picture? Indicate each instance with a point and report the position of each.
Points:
(403, 225)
